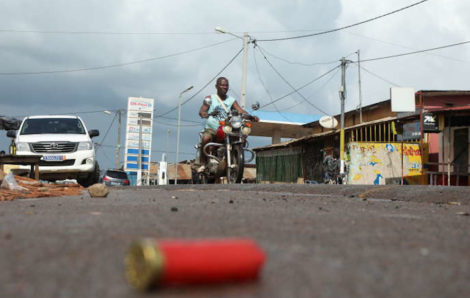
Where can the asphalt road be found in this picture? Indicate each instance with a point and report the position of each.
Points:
(320, 240)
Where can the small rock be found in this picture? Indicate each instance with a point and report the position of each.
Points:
(231, 201)
(463, 213)
(98, 190)
(32, 205)
(174, 197)
(424, 251)
(174, 209)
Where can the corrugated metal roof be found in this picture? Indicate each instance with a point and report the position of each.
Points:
(443, 92)
(283, 117)
(322, 134)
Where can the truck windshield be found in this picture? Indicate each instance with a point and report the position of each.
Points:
(52, 125)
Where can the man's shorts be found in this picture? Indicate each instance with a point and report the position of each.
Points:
(209, 132)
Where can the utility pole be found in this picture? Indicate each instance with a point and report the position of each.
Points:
(139, 161)
(167, 141)
(360, 89)
(342, 95)
(178, 133)
(118, 143)
(246, 41)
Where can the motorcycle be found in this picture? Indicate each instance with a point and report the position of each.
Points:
(331, 169)
(226, 153)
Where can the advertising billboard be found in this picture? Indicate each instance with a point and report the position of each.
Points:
(138, 136)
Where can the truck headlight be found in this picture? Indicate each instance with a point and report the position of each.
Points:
(85, 146)
(22, 146)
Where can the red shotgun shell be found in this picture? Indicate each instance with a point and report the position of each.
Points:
(150, 263)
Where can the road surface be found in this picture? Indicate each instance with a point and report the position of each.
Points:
(320, 240)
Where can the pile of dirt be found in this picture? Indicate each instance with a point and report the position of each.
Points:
(38, 189)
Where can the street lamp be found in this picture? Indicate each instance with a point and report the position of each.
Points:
(117, 162)
(178, 137)
(246, 40)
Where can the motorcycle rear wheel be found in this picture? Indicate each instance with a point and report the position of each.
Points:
(235, 173)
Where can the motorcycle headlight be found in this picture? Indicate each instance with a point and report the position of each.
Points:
(236, 122)
(85, 146)
(246, 130)
(22, 146)
(227, 129)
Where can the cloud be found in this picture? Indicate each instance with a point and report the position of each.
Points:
(167, 27)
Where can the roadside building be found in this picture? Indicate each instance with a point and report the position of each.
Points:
(428, 146)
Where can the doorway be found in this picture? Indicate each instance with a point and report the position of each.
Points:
(461, 151)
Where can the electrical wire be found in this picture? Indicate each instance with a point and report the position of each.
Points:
(303, 86)
(168, 118)
(203, 87)
(124, 110)
(379, 77)
(266, 89)
(159, 151)
(345, 27)
(320, 87)
(404, 47)
(289, 84)
(415, 52)
(300, 63)
(114, 65)
(173, 124)
(103, 152)
(107, 131)
(101, 32)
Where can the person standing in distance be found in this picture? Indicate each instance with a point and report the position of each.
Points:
(213, 110)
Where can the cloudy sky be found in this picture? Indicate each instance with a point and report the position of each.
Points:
(84, 57)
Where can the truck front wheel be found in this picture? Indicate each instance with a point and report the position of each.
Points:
(92, 178)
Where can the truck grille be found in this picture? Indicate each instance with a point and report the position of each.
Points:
(54, 147)
(67, 162)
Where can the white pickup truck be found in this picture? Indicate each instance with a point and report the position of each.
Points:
(65, 145)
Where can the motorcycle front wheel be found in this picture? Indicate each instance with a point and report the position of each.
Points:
(237, 162)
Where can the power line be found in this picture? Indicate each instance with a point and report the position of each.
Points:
(345, 27)
(266, 89)
(301, 87)
(113, 65)
(101, 32)
(192, 121)
(416, 52)
(75, 113)
(160, 151)
(299, 63)
(207, 84)
(379, 77)
(324, 84)
(404, 47)
(290, 85)
(107, 131)
(172, 124)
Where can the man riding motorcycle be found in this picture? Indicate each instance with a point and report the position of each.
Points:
(215, 107)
